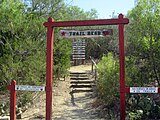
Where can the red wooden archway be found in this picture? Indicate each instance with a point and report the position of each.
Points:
(120, 21)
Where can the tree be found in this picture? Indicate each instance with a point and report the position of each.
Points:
(23, 41)
(143, 39)
(24, 36)
(142, 58)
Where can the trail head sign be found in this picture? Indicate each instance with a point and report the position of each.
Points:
(85, 33)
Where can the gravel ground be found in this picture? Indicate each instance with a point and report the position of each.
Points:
(66, 106)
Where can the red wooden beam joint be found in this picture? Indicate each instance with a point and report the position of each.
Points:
(48, 89)
(120, 16)
(122, 90)
(127, 90)
(49, 23)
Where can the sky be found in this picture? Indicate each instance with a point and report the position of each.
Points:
(105, 8)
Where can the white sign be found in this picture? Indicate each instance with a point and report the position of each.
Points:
(80, 51)
(78, 58)
(85, 33)
(80, 41)
(78, 55)
(143, 89)
(78, 48)
(29, 88)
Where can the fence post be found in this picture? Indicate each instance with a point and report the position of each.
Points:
(12, 90)
(122, 69)
(49, 67)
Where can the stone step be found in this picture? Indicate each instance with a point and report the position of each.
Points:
(4, 118)
(79, 78)
(79, 73)
(80, 91)
(81, 86)
(82, 82)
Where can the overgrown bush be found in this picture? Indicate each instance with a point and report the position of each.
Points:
(139, 106)
(108, 79)
(62, 53)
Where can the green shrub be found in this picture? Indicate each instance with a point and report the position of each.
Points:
(108, 79)
(62, 54)
(143, 106)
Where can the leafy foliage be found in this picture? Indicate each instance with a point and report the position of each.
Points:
(107, 82)
(143, 41)
(142, 62)
(20, 53)
(62, 56)
(23, 40)
(143, 107)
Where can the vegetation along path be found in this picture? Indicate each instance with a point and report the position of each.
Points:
(72, 98)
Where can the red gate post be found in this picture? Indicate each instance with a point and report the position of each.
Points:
(12, 90)
(49, 63)
(122, 69)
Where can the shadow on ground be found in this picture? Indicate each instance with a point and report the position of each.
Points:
(79, 108)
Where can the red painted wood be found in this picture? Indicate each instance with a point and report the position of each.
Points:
(120, 21)
(127, 90)
(12, 90)
(122, 69)
(88, 22)
(49, 63)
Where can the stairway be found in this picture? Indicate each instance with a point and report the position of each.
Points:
(80, 82)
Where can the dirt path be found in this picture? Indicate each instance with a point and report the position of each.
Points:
(66, 106)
